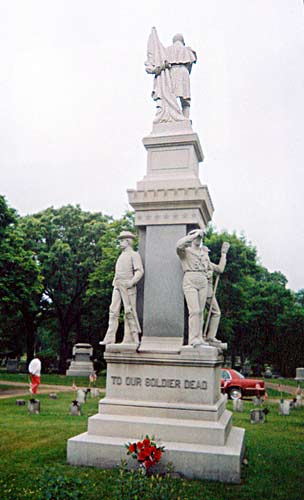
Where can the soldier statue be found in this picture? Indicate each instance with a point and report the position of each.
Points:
(128, 271)
(197, 286)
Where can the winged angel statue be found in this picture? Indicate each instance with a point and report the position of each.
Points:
(171, 67)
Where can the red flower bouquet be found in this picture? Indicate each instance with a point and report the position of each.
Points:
(145, 452)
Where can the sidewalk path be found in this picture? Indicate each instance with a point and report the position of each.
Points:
(290, 389)
(22, 389)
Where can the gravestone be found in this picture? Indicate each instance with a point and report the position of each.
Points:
(257, 416)
(12, 365)
(300, 374)
(284, 407)
(165, 387)
(20, 402)
(75, 408)
(81, 396)
(238, 405)
(81, 364)
(257, 401)
(298, 403)
(53, 395)
(94, 392)
(33, 406)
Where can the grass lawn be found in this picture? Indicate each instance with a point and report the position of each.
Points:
(283, 381)
(53, 379)
(273, 394)
(4, 388)
(33, 458)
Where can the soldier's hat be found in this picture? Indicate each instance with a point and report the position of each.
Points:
(126, 234)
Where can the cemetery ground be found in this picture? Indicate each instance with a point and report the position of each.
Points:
(33, 458)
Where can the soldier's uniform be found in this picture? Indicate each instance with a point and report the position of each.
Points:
(128, 271)
(195, 265)
(198, 288)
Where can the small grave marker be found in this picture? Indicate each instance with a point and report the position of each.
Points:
(94, 392)
(238, 405)
(81, 396)
(257, 401)
(75, 408)
(257, 416)
(284, 407)
(33, 406)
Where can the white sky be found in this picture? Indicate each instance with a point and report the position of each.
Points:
(75, 104)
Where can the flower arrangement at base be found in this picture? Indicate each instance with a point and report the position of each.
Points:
(146, 452)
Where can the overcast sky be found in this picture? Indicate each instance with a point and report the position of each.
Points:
(75, 104)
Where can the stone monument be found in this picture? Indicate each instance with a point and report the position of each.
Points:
(165, 386)
(81, 364)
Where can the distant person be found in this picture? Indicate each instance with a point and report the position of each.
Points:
(34, 371)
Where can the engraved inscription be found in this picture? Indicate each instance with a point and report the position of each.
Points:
(160, 383)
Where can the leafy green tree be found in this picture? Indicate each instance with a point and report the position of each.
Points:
(289, 352)
(99, 291)
(66, 243)
(299, 297)
(255, 305)
(20, 285)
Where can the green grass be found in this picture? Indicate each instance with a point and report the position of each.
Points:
(273, 394)
(4, 388)
(33, 446)
(283, 381)
(53, 379)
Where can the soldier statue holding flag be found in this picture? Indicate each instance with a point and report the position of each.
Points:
(171, 67)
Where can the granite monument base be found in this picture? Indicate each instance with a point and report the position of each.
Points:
(174, 396)
(81, 365)
(80, 369)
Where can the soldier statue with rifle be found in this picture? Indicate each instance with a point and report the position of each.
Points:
(128, 271)
(198, 288)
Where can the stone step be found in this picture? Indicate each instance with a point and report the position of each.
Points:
(163, 409)
(188, 431)
(194, 461)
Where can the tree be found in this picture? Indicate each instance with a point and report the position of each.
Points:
(66, 243)
(256, 306)
(99, 291)
(20, 285)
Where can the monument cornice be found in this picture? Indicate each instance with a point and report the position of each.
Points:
(168, 360)
(183, 139)
(170, 198)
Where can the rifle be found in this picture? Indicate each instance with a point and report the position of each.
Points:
(225, 246)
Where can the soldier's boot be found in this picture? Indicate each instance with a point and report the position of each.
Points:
(110, 336)
(195, 329)
(133, 327)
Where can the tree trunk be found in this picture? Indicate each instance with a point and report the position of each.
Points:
(80, 335)
(30, 329)
(63, 351)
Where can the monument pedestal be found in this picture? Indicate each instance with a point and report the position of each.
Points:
(81, 365)
(174, 396)
(163, 388)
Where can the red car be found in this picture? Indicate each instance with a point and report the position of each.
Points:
(236, 385)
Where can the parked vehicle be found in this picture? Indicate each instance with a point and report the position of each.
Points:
(237, 386)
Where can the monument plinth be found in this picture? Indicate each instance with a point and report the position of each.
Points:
(168, 386)
(81, 364)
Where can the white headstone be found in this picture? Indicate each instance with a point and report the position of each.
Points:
(81, 396)
(238, 405)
